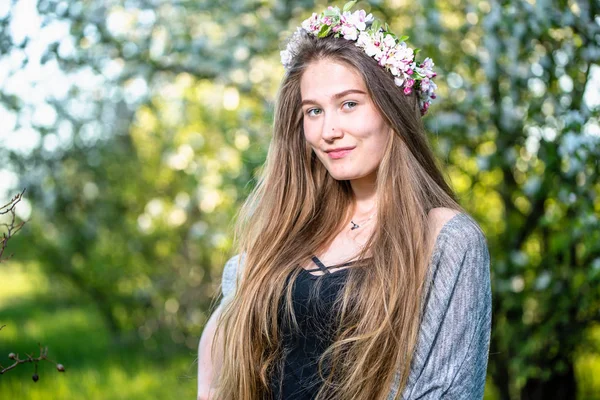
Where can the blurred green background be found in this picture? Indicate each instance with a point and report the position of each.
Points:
(138, 127)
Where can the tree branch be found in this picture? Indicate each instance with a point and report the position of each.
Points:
(12, 227)
(43, 356)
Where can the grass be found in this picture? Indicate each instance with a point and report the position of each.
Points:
(587, 370)
(98, 369)
(75, 336)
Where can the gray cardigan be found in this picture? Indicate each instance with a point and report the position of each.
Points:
(450, 360)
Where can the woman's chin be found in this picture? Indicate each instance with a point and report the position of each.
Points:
(342, 176)
(352, 176)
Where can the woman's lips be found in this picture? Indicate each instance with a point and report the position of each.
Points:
(339, 153)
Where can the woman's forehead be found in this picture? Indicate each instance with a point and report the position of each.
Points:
(325, 79)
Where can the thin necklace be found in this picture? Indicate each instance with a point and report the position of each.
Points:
(356, 226)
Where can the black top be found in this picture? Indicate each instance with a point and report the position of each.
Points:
(313, 297)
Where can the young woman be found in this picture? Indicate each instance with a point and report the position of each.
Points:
(361, 277)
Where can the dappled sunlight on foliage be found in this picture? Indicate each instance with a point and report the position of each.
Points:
(139, 129)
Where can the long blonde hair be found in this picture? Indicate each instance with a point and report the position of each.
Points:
(289, 217)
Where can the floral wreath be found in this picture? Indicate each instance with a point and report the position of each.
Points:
(390, 51)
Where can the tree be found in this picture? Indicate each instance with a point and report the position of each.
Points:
(154, 140)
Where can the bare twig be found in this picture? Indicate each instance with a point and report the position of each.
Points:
(12, 203)
(30, 359)
(12, 227)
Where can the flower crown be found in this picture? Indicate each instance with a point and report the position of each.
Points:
(390, 51)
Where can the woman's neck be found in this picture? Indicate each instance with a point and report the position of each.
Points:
(365, 195)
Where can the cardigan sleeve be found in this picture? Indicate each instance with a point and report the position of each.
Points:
(230, 276)
(451, 357)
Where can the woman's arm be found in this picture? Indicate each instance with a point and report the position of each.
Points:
(450, 360)
(208, 364)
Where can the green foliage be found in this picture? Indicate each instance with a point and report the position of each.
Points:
(164, 120)
(324, 31)
(376, 25)
(96, 368)
(348, 6)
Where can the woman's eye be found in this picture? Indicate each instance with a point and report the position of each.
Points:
(350, 104)
(313, 112)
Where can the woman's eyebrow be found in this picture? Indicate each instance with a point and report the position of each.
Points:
(335, 96)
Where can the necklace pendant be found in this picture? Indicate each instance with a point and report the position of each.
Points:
(354, 226)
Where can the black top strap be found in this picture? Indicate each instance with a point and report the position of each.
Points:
(320, 265)
(325, 268)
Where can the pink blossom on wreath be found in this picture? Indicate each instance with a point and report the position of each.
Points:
(407, 90)
(404, 52)
(383, 61)
(358, 19)
(349, 32)
(363, 39)
(397, 65)
(427, 68)
(312, 24)
(389, 41)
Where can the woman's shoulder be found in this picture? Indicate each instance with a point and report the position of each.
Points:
(230, 274)
(455, 230)
(460, 261)
(438, 217)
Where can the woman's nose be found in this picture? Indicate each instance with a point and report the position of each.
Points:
(331, 127)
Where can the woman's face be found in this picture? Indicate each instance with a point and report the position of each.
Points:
(341, 122)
